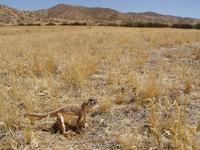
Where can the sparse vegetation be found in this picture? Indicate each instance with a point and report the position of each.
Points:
(50, 24)
(182, 26)
(145, 24)
(197, 26)
(105, 105)
(146, 82)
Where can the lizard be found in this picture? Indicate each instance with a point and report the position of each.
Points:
(79, 111)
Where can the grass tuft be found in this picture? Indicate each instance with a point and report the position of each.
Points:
(105, 106)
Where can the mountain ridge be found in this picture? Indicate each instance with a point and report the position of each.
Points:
(65, 13)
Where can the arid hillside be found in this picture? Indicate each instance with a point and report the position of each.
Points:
(69, 12)
(66, 14)
(146, 82)
(12, 16)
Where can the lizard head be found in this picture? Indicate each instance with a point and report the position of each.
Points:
(89, 103)
(92, 101)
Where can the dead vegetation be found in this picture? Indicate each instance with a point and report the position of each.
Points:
(146, 81)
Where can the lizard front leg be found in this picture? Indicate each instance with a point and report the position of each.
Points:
(78, 122)
(85, 125)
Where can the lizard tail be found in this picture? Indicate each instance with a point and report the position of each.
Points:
(43, 115)
(38, 115)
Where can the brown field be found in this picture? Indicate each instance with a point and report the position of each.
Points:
(147, 82)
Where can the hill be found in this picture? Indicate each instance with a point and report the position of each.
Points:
(66, 14)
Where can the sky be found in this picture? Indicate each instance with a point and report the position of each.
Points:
(184, 8)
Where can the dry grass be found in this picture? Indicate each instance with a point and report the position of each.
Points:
(78, 68)
(151, 88)
(119, 99)
(42, 68)
(130, 140)
(105, 106)
(172, 131)
(187, 86)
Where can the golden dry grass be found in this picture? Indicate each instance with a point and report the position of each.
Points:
(157, 70)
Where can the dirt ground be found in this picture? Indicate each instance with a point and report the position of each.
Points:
(146, 82)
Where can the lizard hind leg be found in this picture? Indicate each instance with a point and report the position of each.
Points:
(61, 122)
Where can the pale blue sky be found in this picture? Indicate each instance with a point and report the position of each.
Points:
(185, 8)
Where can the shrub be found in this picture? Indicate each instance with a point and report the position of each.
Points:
(197, 26)
(50, 24)
(33, 24)
(78, 24)
(64, 24)
(145, 24)
(184, 26)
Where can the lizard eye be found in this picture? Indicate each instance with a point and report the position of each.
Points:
(92, 101)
